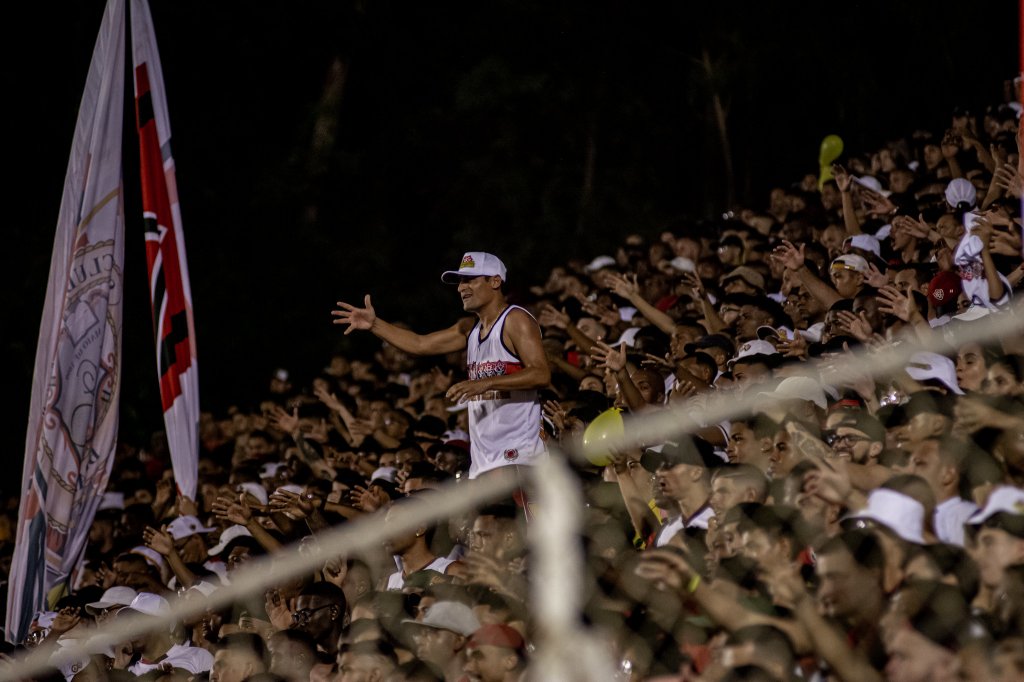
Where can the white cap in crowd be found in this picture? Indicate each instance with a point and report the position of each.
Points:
(900, 513)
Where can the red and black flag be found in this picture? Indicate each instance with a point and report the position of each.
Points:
(165, 253)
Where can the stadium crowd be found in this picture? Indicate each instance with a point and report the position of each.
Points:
(863, 531)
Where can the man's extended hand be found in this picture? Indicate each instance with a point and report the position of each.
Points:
(664, 570)
(67, 618)
(293, 505)
(793, 348)
(1005, 243)
(875, 277)
(624, 286)
(355, 318)
(892, 301)
(369, 499)
(440, 381)
(280, 419)
(788, 255)
(609, 357)
(971, 415)
(1007, 177)
(855, 324)
(983, 229)
(603, 314)
(552, 317)
(950, 145)
(277, 609)
(158, 540)
(232, 510)
(842, 177)
(915, 228)
(329, 399)
(553, 410)
(829, 482)
(877, 204)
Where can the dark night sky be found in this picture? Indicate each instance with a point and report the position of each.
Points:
(461, 125)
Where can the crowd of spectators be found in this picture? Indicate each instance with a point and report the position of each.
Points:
(870, 530)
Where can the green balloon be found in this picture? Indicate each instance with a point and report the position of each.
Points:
(831, 149)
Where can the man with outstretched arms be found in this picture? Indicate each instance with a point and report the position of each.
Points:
(505, 359)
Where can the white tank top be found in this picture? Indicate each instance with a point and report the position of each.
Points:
(504, 426)
(396, 581)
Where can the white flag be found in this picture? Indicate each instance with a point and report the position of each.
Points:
(72, 428)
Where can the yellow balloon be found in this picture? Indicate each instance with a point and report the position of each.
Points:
(831, 149)
(824, 175)
(606, 426)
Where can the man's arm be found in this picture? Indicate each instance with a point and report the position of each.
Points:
(663, 566)
(161, 541)
(826, 640)
(521, 335)
(614, 361)
(950, 146)
(629, 289)
(843, 180)
(435, 343)
(699, 294)
(552, 317)
(793, 259)
(996, 288)
(640, 513)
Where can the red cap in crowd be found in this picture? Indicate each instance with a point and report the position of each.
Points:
(944, 289)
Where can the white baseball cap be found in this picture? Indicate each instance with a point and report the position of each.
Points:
(270, 469)
(388, 474)
(254, 489)
(798, 388)
(851, 261)
(628, 337)
(229, 534)
(765, 331)
(683, 264)
(119, 595)
(924, 366)
(900, 513)
(154, 558)
(600, 262)
(1005, 498)
(476, 264)
(865, 242)
(184, 526)
(150, 604)
(204, 588)
(871, 182)
(750, 348)
(960, 189)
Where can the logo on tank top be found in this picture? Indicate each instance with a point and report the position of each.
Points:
(511, 455)
(496, 368)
